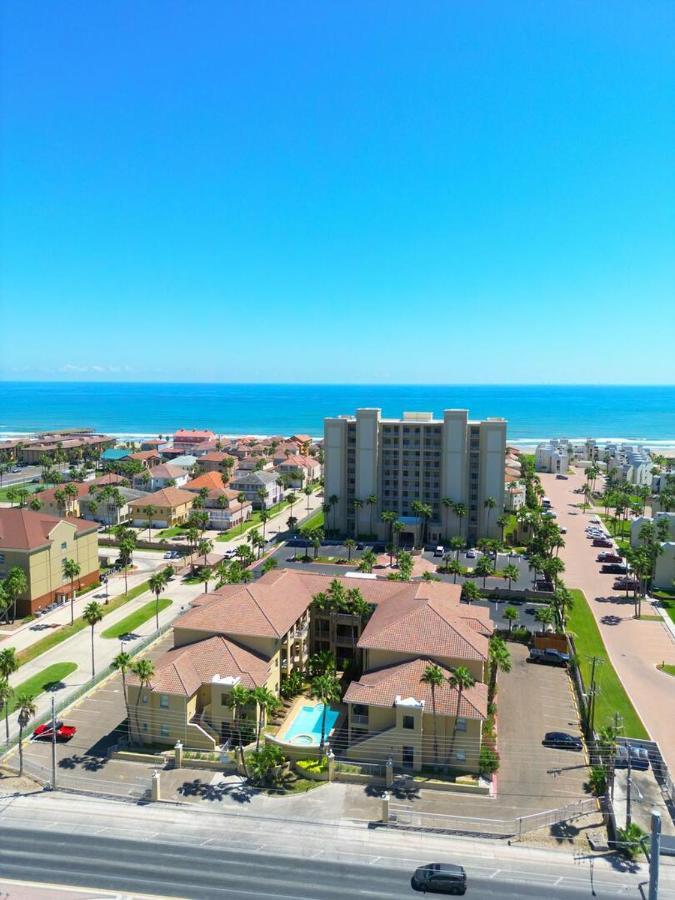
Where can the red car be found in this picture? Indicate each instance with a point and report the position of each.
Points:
(609, 558)
(63, 732)
(601, 542)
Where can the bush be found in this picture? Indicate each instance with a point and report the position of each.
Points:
(488, 761)
(292, 685)
(597, 781)
(629, 840)
(314, 766)
(261, 764)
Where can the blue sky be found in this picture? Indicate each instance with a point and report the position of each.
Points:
(446, 192)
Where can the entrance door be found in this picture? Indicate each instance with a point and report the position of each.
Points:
(408, 757)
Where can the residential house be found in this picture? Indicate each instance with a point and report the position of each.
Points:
(187, 438)
(38, 544)
(300, 470)
(62, 500)
(186, 461)
(171, 507)
(552, 457)
(216, 461)
(147, 458)
(224, 509)
(162, 476)
(97, 507)
(253, 482)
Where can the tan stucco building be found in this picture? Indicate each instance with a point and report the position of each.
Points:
(38, 544)
(171, 506)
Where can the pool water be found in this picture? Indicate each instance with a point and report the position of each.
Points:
(306, 725)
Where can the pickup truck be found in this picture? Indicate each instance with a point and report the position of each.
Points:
(548, 657)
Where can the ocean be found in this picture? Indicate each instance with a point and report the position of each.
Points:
(534, 412)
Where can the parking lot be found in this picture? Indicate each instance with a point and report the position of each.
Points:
(82, 762)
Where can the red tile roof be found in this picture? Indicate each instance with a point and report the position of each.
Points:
(210, 480)
(167, 497)
(382, 687)
(23, 529)
(183, 670)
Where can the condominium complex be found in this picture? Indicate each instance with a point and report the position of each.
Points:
(373, 464)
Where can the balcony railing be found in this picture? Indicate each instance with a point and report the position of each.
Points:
(358, 719)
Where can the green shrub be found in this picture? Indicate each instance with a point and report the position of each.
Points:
(314, 766)
(629, 840)
(488, 761)
(597, 781)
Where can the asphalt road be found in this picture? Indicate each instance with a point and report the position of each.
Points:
(172, 870)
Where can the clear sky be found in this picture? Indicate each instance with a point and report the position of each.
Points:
(452, 191)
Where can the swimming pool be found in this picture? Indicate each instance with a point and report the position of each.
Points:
(305, 729)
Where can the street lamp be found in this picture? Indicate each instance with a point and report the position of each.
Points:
(104, 580)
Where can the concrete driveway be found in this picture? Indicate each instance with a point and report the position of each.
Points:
(635, 647)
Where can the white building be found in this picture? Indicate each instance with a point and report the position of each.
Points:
(552, 457)
(373, 464)
(664, 570)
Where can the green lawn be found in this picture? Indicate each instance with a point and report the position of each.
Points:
(611, 697)
(66, 631)
(315, 520)
(134, 620)
(619, 529)
(36, 684)
(170, 532)
(31, 488)
(669, 670)
(668, 605)
(255, 522)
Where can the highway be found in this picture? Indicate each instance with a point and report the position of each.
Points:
(165, 850)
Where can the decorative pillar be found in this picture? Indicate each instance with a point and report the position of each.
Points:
(155, 792)
(331, 765)
(389, 771)
(178, 755)
(385, 808)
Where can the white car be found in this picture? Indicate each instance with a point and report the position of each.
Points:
(230, 554)
(470, 554)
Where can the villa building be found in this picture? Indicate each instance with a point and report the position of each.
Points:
(104, 509)
(165, 475)
(38, 544)
(185, 439)
(552, 457)
(301, 470)
(259, 488)
(222, 504)
(259, 633)
(171, 506)
(373, 464)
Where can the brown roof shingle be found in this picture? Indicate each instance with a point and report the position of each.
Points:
(167, 497)
(23, 529)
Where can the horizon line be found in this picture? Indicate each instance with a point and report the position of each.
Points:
(378, 384)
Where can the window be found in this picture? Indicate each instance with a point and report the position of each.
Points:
(2, 557)
(145, 698)
(64, 545)
(164, 730)
(461, 724)
(145, 726)
(409, 722)
(460, 756)
(164, 701)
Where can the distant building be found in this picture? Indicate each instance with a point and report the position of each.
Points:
(187, 438)
(171, 506)
(38, 544)
(103, 509)
(398, 461)
(253, 482)
(664, 569)
(552, 457)
(165, 475)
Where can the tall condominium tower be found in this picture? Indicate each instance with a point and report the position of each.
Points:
(452, 464)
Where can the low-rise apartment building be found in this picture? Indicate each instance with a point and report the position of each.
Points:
(165, 475)
(38, 544)
(300, 470)
(552, 457)
(374, 464)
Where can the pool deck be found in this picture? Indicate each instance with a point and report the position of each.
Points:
(280, 737)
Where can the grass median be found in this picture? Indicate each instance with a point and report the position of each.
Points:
(66, 631)
(47, 679)
(612, 697)
(134, 620)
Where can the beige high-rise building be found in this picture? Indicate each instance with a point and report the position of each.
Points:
(372, 464)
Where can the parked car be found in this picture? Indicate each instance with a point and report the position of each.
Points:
(626, 584)
(543, 585)
(639, 757)
(602, 542)
(606, 557)
(470, 554)
(231, 553)
(548, 657)
(563, 530)
(560, 740)
(614, 568)
(440, 878)
(561, 477)
(168, 554)
(63, 732)
(439, 551)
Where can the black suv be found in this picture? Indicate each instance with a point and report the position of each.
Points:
(440, 878)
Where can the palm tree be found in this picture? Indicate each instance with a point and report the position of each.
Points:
(264, 517)
(454, 567)
(511, 573)
(93, 613)
(448, 504)
(71, 571)
(292, 499)
(511, 616)
(470, 592)
(388, 516)
(333, 501)
(367, 561)
(461, 680)
(204, 547)
(25, 703)
(325, 688)
(6, 694)
(357, 504)
(433, 676)
(484, 568)
(241, 499)
(489, 503)
(500, 661)
(350, 544)
(371, 502)
(307, 491)
(122, 663)
(397, 528)
(144, 670)
(267, 702)
(544, 615)
(503, 521)
(461, 511)
(456, 544)
(15, 586)
(240, 697)
(157, 582)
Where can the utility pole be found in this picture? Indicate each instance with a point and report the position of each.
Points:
(53, 743)
(629, 785)
(655, 849)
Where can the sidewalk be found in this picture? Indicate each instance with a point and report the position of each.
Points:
(77, 649)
